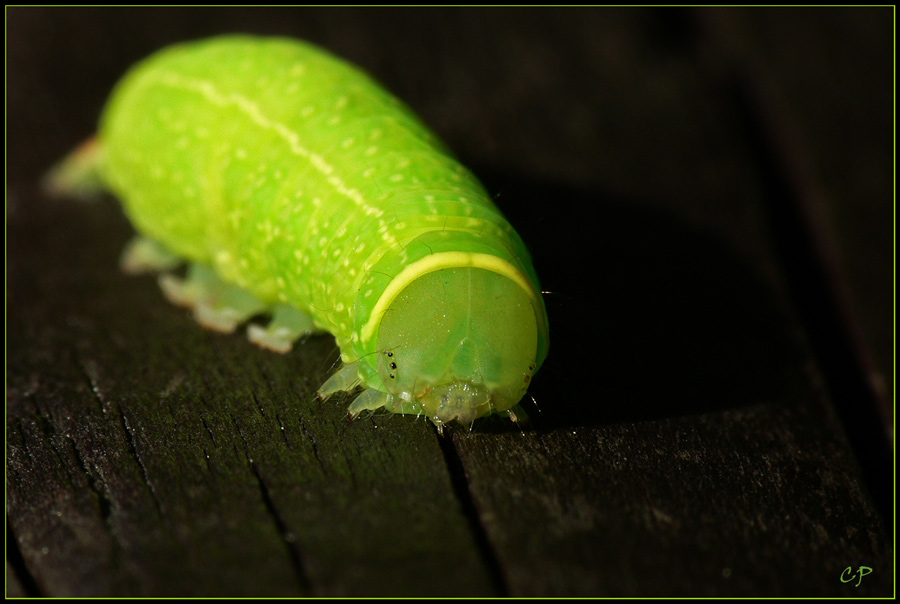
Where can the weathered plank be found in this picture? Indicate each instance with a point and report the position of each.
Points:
(684, 445)
(147, 456)
(827, 108)
(686, 442)
(697, 436)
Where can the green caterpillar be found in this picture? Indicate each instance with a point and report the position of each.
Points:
(296, 186)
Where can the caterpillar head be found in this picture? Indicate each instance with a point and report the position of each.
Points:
(460, 343)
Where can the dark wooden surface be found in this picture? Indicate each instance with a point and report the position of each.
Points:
(707, 193)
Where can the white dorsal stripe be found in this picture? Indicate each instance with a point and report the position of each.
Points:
(258, 117)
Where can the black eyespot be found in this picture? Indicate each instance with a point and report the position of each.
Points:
(393, 365)
(392, 375)
(390, 354)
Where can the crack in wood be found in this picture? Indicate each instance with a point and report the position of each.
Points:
(103, 502)
(287, 443)
(287, 537)
(208, 431)
(16, 561)
(460, 485)
(51, 434)
(259, 405)
(129, 436)
(89, 369)
(312, 440)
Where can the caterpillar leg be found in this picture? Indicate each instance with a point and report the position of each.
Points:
(143, 255)
(346, 379)
(217, 305)
(370, 399)
(287, 324)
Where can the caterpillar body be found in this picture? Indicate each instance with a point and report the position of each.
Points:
(295, 186)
